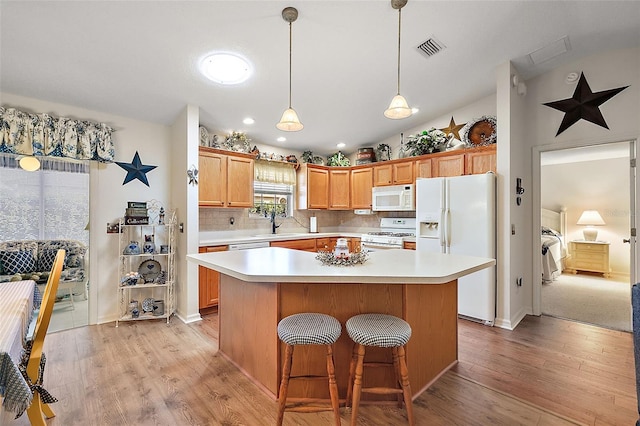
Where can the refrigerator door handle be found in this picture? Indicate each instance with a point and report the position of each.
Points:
(447, 231)
(441, 230)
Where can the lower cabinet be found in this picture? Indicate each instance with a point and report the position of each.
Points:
(328, 244)
(409, 245)
(209, 282)
(306, 245)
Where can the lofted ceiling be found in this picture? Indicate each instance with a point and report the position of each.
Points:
(139, 58)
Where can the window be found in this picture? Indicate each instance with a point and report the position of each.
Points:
(270, 197)
(51, 203)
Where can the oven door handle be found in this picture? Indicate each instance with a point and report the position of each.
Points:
(378, 246)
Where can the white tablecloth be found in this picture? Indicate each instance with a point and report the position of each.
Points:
(16, 309)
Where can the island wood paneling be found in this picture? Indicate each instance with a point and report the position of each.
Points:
(248, 331)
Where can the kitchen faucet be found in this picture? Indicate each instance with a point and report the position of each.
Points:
(273, 222)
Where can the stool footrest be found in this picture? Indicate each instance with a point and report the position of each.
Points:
(377, 364)
(382, 391)
(307, 409)
(309, 377)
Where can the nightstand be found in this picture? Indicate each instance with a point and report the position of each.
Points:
(591, 256)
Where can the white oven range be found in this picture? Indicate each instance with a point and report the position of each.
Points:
(392, 234)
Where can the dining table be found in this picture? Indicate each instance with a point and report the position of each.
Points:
(16, 311)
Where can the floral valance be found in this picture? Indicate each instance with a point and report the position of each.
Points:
(274, 172)
(25, 133)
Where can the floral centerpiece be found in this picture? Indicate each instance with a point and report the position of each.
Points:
(427, 142)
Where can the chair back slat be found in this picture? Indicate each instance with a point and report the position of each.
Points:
(44, 316)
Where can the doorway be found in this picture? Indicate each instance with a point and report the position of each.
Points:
(593, 289)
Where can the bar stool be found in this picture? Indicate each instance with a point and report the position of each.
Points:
(384, 331)
(308, 329)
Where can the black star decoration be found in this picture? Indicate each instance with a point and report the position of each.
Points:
(583, 105)
(136, 170)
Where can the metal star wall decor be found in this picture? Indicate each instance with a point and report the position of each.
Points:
(453, 128)
(136, 170)
(583, 105)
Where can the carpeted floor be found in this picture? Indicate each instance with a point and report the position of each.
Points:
(589, 299)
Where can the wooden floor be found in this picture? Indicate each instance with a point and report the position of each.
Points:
(546, 372)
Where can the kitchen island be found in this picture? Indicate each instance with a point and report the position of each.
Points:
(259, 287)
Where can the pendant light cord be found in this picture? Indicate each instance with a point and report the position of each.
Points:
(399, 23)
(290, 42)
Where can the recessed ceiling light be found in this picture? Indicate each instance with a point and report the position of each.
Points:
(248, 120)
(226, 68)
(341, 145)
(415, 110)
(281, 139)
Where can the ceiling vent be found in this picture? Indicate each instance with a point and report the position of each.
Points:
(431, 47)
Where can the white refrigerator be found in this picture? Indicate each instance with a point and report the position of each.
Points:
(457, 215)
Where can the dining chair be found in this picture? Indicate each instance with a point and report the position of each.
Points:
(39, 410)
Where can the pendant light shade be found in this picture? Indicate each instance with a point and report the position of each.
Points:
(29, 163)
(290, 121)
(398, 108)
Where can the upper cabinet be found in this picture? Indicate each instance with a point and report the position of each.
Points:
(313, 187)
(481, 161)
(225, 179)
(448, 165)
(396, 173)
(361, 184)
(339, 188)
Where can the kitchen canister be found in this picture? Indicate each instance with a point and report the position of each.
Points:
(366, 156)
(158, 308)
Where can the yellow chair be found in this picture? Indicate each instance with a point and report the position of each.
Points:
(38, 410)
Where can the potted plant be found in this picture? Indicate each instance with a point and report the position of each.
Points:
(427, 142)
(338, 159)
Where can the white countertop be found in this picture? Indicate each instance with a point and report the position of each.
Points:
(231, 238)
(397, 266)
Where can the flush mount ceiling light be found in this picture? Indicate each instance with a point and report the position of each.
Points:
(290, 121)
(225, 68)
(29, 163)
(398, 108)
(248, 120)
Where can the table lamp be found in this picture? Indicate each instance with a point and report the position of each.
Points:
(590, 218)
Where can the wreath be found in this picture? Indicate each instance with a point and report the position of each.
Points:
(480, 131)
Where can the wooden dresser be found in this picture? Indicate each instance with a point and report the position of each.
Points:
(591, 256)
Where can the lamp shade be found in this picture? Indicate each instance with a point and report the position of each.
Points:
(29, 163)
(289, 121)
(398, 108)
(590, 218)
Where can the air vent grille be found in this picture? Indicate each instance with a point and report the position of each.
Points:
(431, 47)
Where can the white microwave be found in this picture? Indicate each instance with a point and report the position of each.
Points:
(393, 198)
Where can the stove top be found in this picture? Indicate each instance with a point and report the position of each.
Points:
(392, 234)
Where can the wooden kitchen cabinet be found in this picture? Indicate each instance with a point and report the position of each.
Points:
(395, 173)
(208, 282)
(339, 189)
(422, 168)
(409, 245)
(481, 161)
(361, 184)
(328, 244)
(308, 244)
(448, 165)
(313, 187)
(224, 180)
(591, 256)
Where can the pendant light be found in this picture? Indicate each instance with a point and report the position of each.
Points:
(398, 108)
(29, 163)
(289, 121)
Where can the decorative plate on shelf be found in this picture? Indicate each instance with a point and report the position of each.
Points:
(481, 131)
(149, 270)
(147, 304)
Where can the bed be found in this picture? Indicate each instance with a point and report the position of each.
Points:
(552, 244)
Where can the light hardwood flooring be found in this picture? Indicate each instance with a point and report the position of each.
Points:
(546, 372)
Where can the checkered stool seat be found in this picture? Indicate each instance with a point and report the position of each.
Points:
(309, 329)
(385, 331)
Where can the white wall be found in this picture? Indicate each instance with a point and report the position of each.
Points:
(108, 197)
(605, 71)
